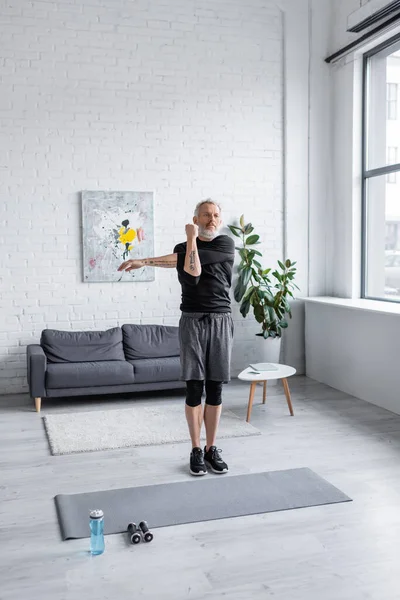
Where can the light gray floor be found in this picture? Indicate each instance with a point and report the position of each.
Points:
(344, 551)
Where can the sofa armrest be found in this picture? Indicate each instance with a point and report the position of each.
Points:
(37, 365)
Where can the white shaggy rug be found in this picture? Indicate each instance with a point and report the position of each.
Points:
(74, 432)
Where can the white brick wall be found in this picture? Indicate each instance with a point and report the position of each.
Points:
(183, 97)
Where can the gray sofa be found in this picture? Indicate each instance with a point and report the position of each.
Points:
(131, 358)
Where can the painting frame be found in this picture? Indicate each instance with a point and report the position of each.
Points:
(116, 226)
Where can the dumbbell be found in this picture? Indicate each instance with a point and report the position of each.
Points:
(146, 533)
(135, 533)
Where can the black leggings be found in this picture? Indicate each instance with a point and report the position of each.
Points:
(194, 392)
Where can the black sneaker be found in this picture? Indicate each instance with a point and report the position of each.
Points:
(197, 466)
(213, 460)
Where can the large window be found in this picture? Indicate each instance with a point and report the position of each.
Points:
(381, 174)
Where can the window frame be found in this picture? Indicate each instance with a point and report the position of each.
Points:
(366, 173)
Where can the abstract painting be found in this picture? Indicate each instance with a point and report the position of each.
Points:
(117, 226)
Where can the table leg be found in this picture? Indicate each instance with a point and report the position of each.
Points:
(251, 398)
(287, 394)
(264, 392)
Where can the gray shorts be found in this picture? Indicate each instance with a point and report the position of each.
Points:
(206, 346)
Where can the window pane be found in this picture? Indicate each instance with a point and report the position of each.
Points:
(392, 93)
(392, 158)
(391, 155)
(382, 274)
(383, 106)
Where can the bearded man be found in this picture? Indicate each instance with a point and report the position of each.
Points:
(204, 265)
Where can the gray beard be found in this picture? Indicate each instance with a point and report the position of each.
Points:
(206, 233)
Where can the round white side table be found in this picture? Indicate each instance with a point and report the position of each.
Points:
(282, 372)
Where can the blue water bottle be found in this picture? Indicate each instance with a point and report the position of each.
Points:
(96, 532)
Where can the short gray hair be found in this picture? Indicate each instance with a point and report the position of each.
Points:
(206, 201)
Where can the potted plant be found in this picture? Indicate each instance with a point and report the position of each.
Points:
(264, 291)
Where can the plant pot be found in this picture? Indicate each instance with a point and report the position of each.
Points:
(268, 350)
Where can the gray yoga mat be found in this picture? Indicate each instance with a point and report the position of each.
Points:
(201, 499)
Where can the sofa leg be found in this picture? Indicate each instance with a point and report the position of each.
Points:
(38, 402)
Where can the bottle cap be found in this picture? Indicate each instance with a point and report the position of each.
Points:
(96, 514)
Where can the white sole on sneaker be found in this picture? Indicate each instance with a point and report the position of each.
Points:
(199, 473)
(215, 470)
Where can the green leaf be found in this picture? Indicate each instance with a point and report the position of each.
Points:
(282, 266)
(288, 263)
(286, 305)
(283, 324)
(245, 307)
(257, 264)
(248, 229)
(266, 334)
(269, 299)
(252, 239)
(261, 295)
(254, 299)
(239, 291)
(277, 275)
(248, 293)
(233, 230)
(259, 313)
(245, 276)
(241, 221)
(257, 252)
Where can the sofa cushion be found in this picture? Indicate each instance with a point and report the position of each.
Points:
(150, 341)
(156, 369)
(82, 346)
(89, 374)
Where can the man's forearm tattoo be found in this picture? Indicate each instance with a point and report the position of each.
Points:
(168, 264)
(191, 260)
